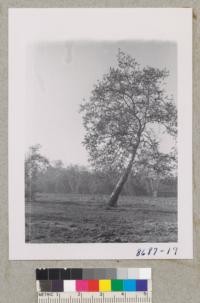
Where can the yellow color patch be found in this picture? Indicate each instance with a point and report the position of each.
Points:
(104, 285)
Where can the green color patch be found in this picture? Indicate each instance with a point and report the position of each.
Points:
(117, 285)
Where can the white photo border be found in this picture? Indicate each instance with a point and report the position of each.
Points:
(59, 24)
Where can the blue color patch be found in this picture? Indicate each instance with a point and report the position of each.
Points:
(141, 285)
(129, 285)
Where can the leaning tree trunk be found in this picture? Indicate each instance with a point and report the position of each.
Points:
(118, 188)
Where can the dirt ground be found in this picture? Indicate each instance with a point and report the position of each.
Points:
(76, 219)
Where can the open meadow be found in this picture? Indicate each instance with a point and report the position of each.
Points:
(64, 218)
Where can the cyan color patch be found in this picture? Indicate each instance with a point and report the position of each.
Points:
(129, 285)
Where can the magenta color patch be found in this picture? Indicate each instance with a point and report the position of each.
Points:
(81, 285)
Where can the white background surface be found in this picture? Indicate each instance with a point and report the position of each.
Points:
(26, 26)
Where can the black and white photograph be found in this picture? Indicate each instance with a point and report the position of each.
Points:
(101, 154)
(104, 152)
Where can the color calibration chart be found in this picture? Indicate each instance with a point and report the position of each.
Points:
(94, 285)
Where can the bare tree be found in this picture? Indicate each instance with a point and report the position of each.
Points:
(121, 109)
(152, 166)
(35, 163)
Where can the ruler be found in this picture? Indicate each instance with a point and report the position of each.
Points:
(95, 297)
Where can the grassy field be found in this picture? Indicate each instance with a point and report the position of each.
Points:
(61, 218)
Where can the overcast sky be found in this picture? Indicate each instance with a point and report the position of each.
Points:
(61, 74)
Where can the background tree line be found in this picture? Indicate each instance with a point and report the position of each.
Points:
(43, 176)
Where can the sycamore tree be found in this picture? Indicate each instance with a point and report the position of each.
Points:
(121, 110)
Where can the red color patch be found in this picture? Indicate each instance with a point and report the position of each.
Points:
(93, 285)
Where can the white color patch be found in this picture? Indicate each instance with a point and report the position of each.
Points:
(133, 273)
(149, 285)
(38, 288)
(69, 285)
(145, 273)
